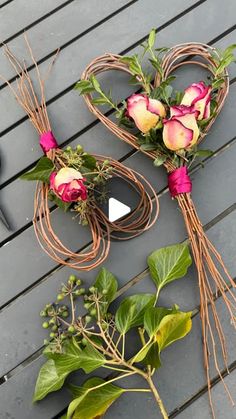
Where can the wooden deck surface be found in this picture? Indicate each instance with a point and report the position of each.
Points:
(84, 29)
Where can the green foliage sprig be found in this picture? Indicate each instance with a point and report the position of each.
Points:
(90, 335)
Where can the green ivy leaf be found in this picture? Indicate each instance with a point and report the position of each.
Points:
(169, 263)
(53, 374)
(42, 171)
(131, 311)
(148, 147)
(48, 380)
(153, 317)
(203, 153)
(74, 357)
(142, 353)
(173, 327)
(93, 402)
(89, 161)
(153, 356)
(61, 204)
(106, 281)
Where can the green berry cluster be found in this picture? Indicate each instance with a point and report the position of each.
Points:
(57, 314)
(73, 157)
(103, 172)
(63, 320)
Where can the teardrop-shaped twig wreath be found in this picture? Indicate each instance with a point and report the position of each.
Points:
(73, 179)
(168, 125)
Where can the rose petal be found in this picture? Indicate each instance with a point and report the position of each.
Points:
(52, 180)
(133, 100)
(176, 135)
(155, 106)
(66, 175)
(179, 110)
(202, 101)
(207, 112)
(190, 94)
(144, 120)
(189, 121)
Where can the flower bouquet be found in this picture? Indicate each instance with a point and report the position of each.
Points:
(74, 180)
(168, 126)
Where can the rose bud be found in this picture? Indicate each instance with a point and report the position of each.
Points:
(181, 130)
(144, 111)
(198, 95)
(68, 185)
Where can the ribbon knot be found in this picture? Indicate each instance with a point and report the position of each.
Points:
(47, 141)
(179, 181)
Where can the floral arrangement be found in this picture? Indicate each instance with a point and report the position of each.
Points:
(74, 180)
(97, 336)
(168, 126)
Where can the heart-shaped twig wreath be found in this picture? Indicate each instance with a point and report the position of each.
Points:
(169, 129)
(73, 179)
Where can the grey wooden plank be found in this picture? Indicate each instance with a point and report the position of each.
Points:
(70, 106)
(222, 405)
(59, 28)
(19, 14)
(170, 380)
(71, 62)
(170, 229)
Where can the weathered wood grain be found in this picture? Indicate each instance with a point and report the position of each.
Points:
(72, 60)
(16, 15)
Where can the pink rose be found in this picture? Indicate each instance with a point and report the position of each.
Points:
(181, 130)
(198, 95)
(144, 111)
(68, 185)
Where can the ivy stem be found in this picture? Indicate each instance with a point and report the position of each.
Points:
(144, 390)
(115, 369)
(157, 397)
(119, 377)
(72, 308)
(141, 335)
(123, 346)
(157, 296)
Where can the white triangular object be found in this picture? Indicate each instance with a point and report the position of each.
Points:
(117, 209)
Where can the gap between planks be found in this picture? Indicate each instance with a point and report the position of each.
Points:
(71, 41)
(66, 44)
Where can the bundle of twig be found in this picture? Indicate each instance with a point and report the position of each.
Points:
(213, 276)
(102, 229)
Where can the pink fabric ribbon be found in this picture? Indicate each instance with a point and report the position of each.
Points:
(179, 181)
(47, 141)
